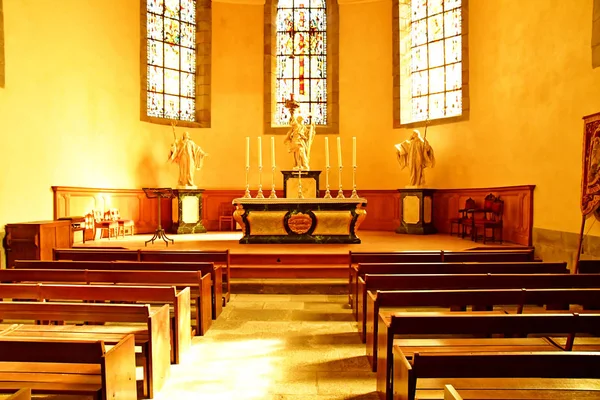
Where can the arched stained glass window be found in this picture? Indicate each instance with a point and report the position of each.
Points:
(432, 70)
(171, 59)
(301, 59)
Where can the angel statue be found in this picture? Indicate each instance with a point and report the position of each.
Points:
(299, 140)
(417, 154)
(189, 156)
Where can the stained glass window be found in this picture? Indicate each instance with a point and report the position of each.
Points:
(301, 65)
(431, 50)
(171, 59)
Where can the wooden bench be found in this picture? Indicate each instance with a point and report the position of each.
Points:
(435, 256)
(22, 394)
(415, 324)
(68, 367)
(431, 371)
(200, 285)
(216, 272)
(466, 281)
(218, 257)
(478, 299)
(180, 319)
(361, 269)
(151, 331)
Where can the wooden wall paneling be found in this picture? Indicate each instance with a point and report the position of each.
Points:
(383, 207)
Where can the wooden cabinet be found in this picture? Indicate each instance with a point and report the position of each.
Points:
(35, 240)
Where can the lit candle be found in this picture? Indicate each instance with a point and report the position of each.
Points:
(247, 152)
(339, 147)
(327, 152)
(354, 151)
(273, 151)
(259, 152)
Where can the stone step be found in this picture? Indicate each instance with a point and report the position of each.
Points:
(300, 258)
(282, 271)
(289, 286)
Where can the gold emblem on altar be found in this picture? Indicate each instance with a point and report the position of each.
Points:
(300, 223)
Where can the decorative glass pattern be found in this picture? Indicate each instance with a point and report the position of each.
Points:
(301, 56)
(435, 59)
(171, 59)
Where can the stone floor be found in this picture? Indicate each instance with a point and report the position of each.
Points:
(276, 347)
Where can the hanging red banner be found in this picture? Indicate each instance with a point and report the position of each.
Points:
(590, 181)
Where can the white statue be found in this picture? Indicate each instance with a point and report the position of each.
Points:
(189, 156)
(299, 140)
(417, 154)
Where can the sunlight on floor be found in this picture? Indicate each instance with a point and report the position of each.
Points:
(225, 370)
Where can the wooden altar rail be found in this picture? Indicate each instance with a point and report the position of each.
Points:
(383, 210)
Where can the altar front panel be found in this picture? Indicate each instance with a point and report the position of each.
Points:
(300, 220)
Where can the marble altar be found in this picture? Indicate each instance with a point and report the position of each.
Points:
(315, 220)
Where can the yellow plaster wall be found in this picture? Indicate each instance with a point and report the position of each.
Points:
(69, 114)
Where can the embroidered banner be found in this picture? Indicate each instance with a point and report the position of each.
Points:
(590, 182)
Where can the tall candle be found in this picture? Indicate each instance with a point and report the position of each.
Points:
(259, 152)
(354, 151)
(273, 151)
(327, 152)
(247, 152)
(339, 148)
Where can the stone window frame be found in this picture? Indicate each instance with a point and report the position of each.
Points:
(596, 35)
(397, 101)
(203, 68)
(270, 63)
(2, 66)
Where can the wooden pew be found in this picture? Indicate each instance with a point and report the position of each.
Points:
(471, 324)
(466, 281)
(216, 272)
(435, 256)
(152, 336)
(218, 257)
(180, 321)
(589, 266)
(68, 368)
(361, 269)
(22, 394)
(93, 254)
(438, 368)
(451, 394)
(478, 299)
(200, 285)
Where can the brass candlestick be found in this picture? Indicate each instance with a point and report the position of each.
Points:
(340, 192)
(259, 194)
(354, 194)
(247, 194)
(273, 195)
(327, 192)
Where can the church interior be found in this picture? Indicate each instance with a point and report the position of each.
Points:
(426, 228)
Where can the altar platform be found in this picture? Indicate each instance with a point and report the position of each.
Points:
(292, 261)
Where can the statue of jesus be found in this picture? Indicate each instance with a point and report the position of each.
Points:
(416, 154)
(189, 156)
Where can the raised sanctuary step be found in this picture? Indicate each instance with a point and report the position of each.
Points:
(278, 271)
(289, 286)
(300, 258)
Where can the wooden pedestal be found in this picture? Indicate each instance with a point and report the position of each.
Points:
(416, 207)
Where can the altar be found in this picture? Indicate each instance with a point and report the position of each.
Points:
(316, 220)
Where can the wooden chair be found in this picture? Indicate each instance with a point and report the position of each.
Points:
(458, 221)
(124, 224)
(492, 220)
(226, 215)
(100, 222)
